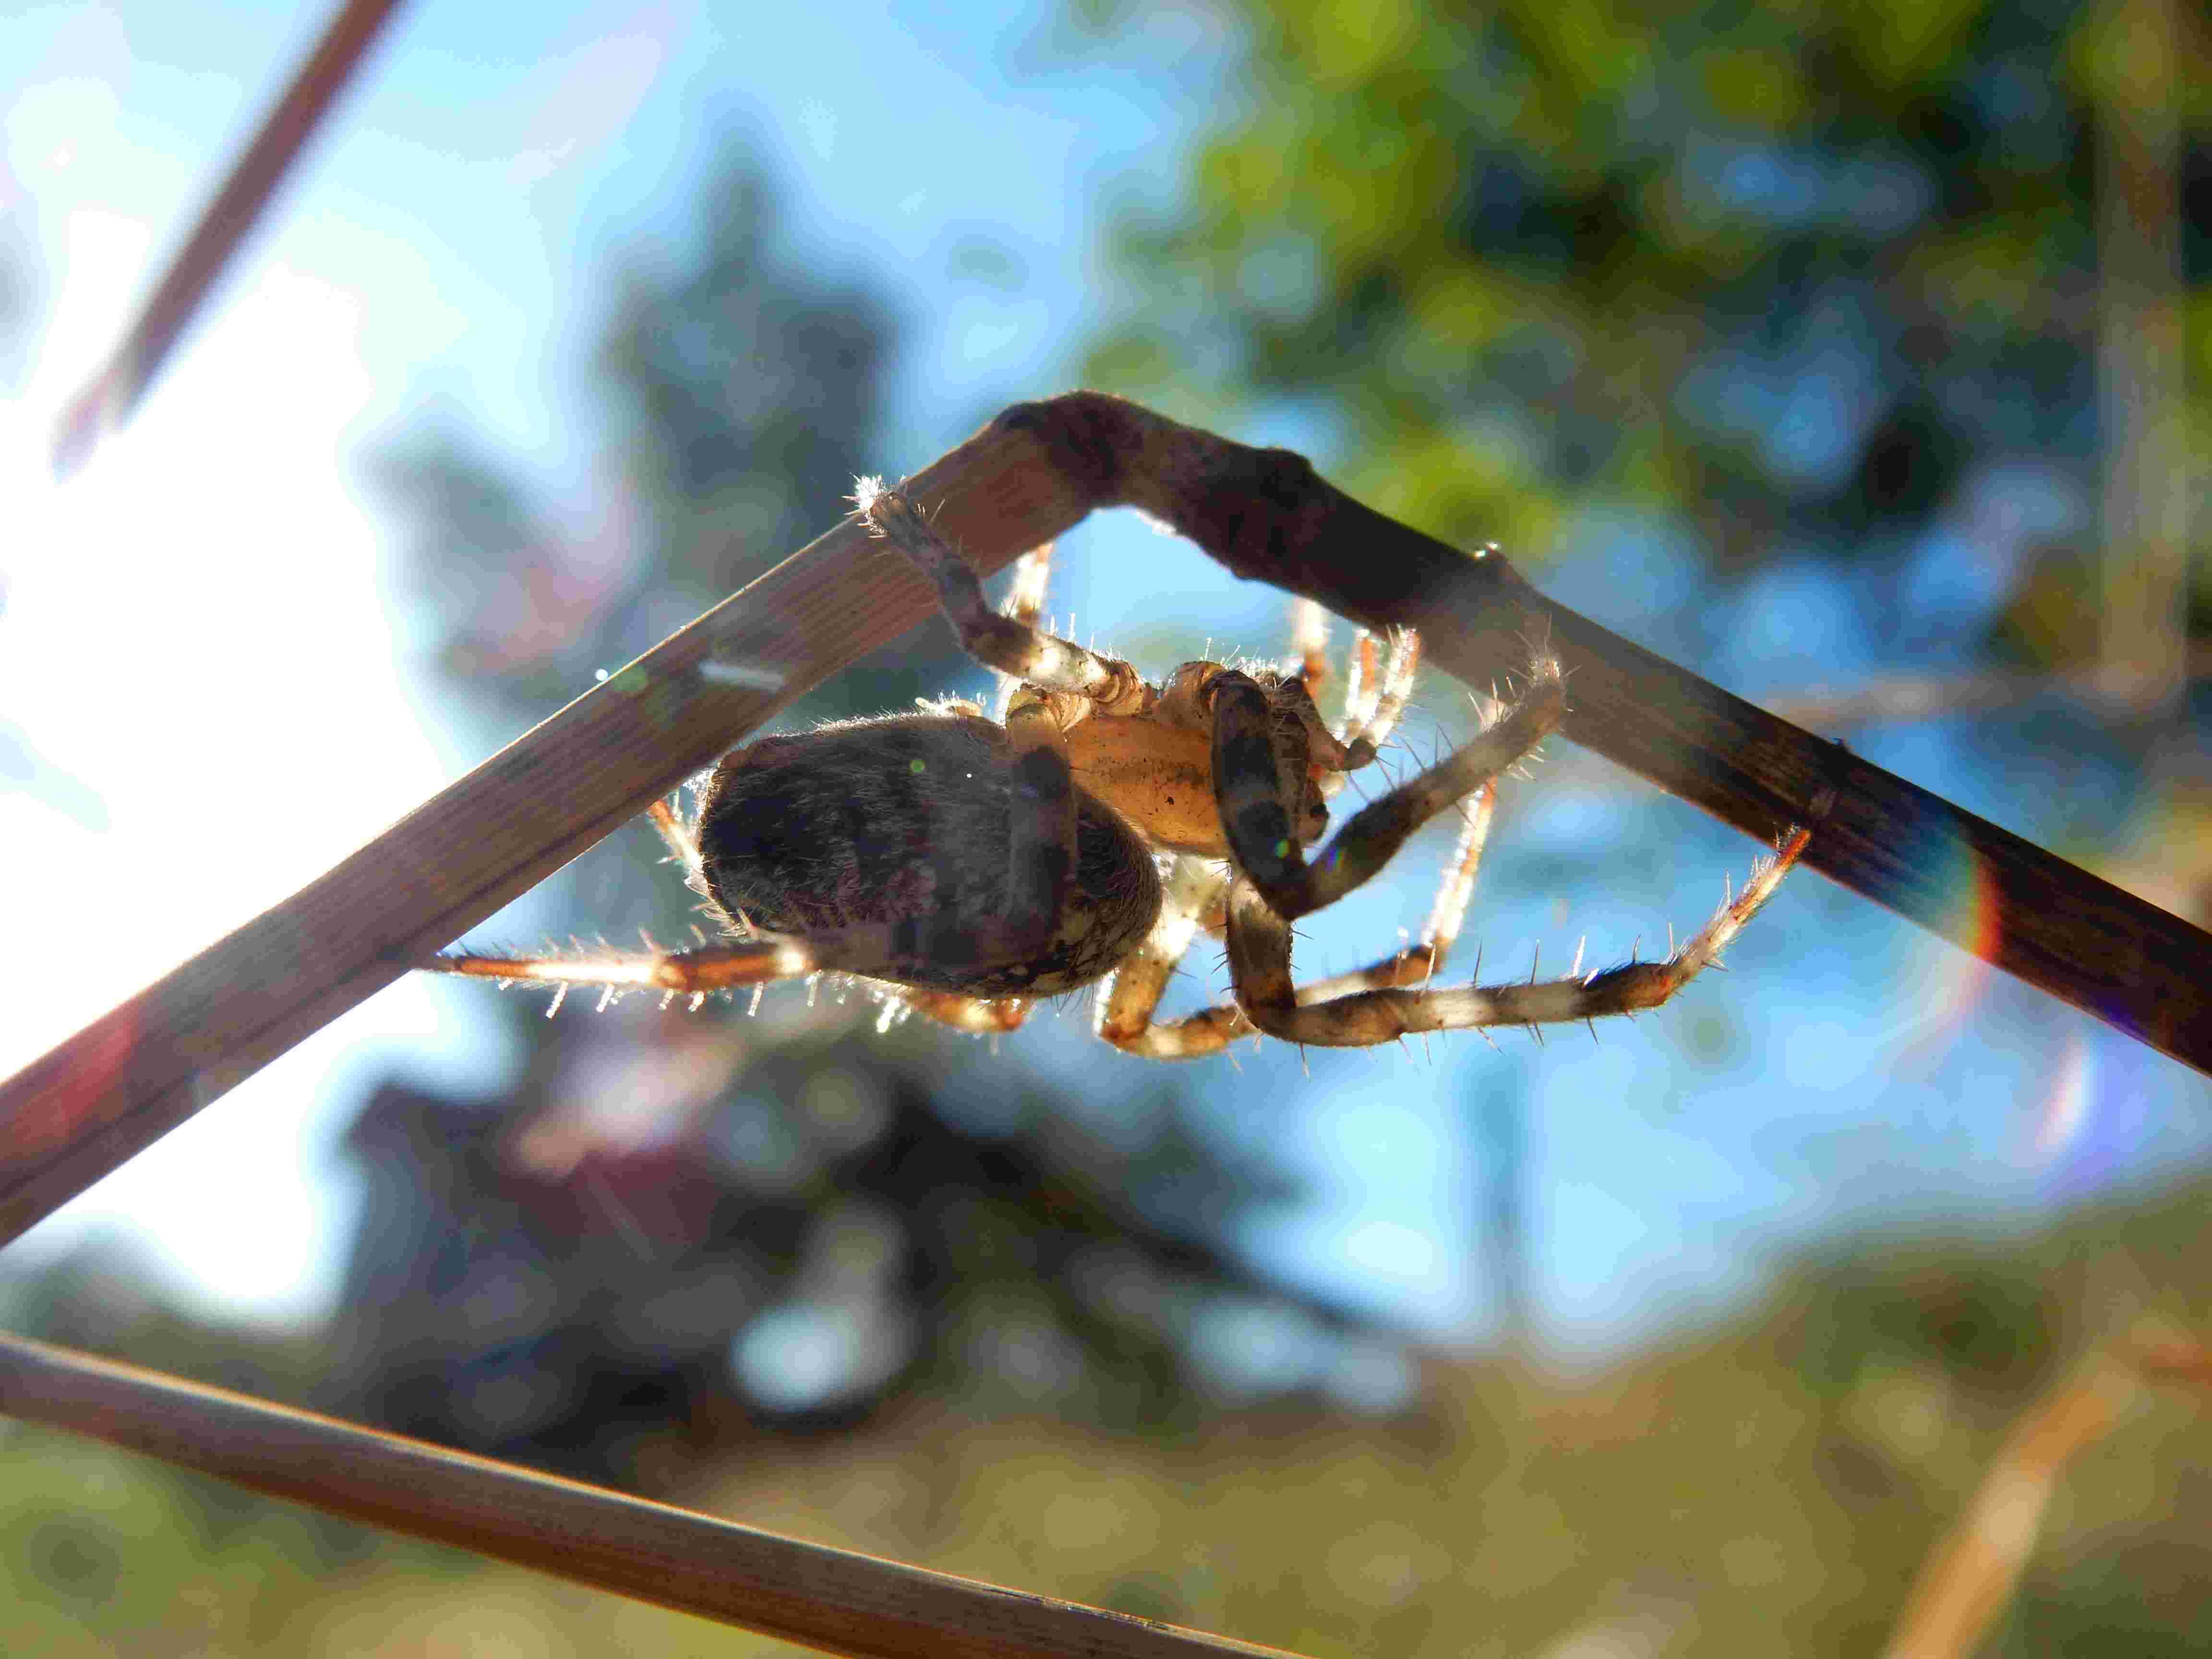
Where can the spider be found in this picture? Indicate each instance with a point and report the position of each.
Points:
(968, 864)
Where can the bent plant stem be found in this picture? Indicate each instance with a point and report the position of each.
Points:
(150, 1063)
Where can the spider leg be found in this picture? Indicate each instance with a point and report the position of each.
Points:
(868, 951)
(723, 967)
(1196, 889)
(1024, 605)
(707, 968)
(1359, 692)
(1260, 766)
(1420, 961)
(681, 841)
(1375, 688)
(1013, 647)
(1382, 694)
(1260, 959)
(1372, 701)
(977, 1016)
(1197, 900)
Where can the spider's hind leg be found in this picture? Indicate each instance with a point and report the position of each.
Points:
(680, 972)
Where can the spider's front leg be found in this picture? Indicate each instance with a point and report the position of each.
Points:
(1014, 646)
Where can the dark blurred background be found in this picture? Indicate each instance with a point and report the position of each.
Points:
(1855, 356)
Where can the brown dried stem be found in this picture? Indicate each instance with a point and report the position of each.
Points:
(73, 1116)
(831, 1598)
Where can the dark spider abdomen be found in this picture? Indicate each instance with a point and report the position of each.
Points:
(908, 819)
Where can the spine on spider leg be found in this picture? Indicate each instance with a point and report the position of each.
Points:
(1640, 985)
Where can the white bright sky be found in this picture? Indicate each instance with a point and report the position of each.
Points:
(196, 631)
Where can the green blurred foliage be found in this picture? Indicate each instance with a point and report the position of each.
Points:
(1784, 275)
(1771, 1484)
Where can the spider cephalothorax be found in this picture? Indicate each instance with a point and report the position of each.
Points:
(969, 865)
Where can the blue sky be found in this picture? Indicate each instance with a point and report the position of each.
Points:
(207, 594)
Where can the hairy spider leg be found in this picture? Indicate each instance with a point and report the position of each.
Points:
(1257, 771)
(1275, 885)
(1259, 958)
(1374, 698)
(1020, 649)
(680, 841)
(1379, 718)
(1197, 902)
(977, 1016)
(868, 951)
(1198, 888)
(1309, 643)
(1358, 683)
(1420, 961)
(693, 972)
(1260, 765)
(1024, 604)
(1195, 890)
